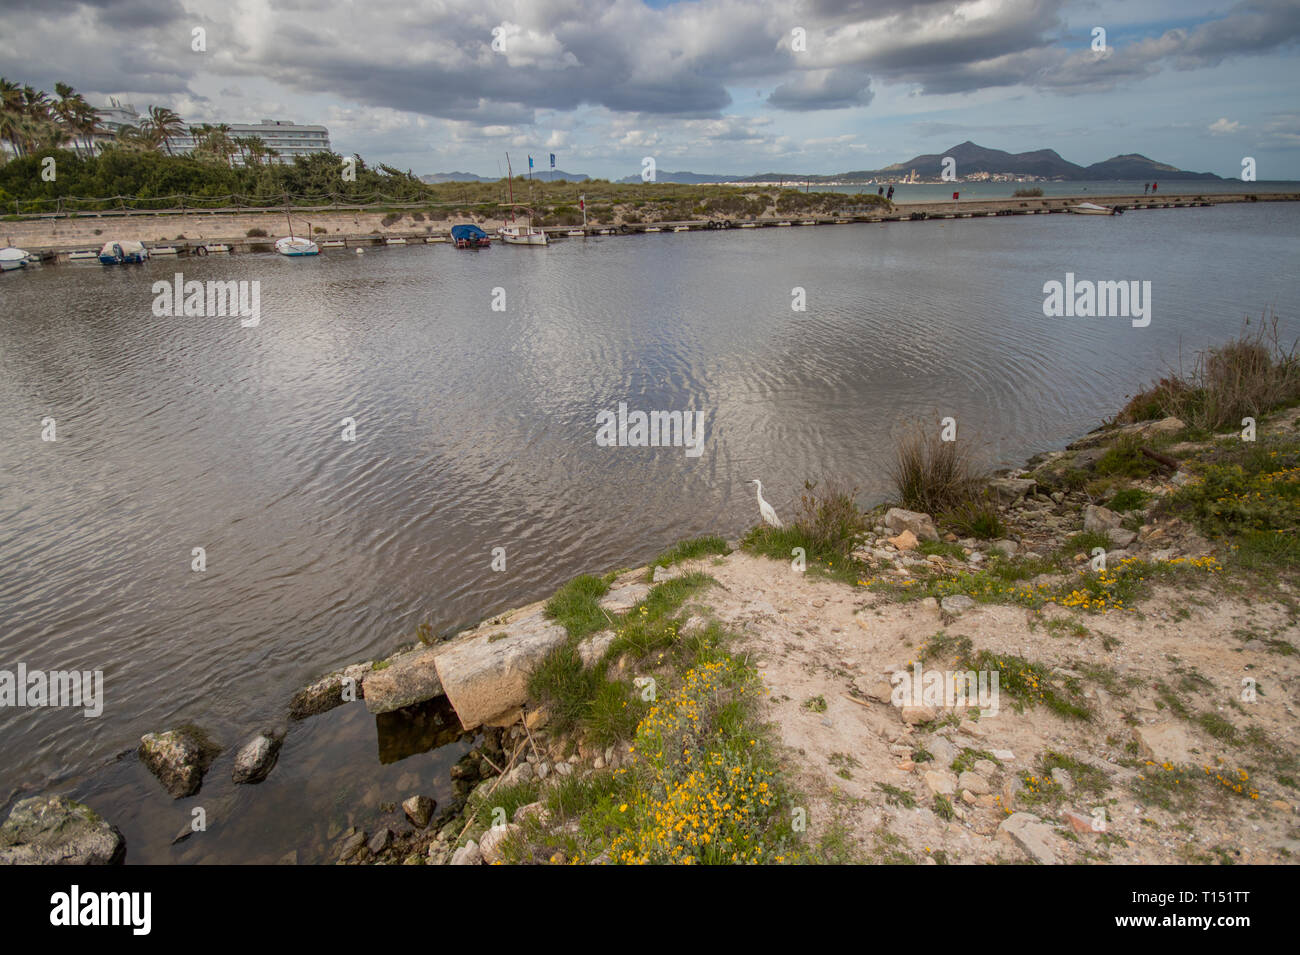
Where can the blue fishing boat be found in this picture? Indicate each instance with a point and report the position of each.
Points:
(470, 237)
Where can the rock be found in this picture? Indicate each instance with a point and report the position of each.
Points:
(1063, 779)
(1003, 755)
(328, 692)
(350, 844)
(419, 810)
(404, 680)
(985, 767)
(1032, 835)
(692, 626)
(256, 759)
(380, 841)
(1100, 520)
(973, 729)
(55, 830)
(921, 525)
(489, 843)
(942, 749)
(956, 603)
(1008, 547)
(1079, 822)
(624, 598)
(917, 714)
(1010, 789)
(1182, 478)
(1164, 426)
(940, 783)
(533, 810)
(1121, 537)
(1165, 743)
(664, 573)
(179, 758)
(485, 676)
(973, 782)
(594, 647)
(873, 688)
(468, 854)
(1009, 490)
(905, 541)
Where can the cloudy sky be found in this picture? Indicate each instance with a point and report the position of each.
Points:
(711, 86)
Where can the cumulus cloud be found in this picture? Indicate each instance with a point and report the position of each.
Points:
(660, 67)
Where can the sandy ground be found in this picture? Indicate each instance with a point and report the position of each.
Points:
(815, 639)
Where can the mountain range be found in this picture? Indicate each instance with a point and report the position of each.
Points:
(546, 175)
(969, 157)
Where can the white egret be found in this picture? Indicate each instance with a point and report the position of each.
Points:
(764, 508)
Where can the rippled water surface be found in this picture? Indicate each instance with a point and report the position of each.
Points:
(476, 429)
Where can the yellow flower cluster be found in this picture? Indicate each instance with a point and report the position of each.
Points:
(706, 800)
(1235, 782)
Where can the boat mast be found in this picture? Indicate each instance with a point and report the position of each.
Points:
(510, 186)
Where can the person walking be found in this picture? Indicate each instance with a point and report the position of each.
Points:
(890, 197)
(1154, 187)
(1146, 187)
(880, 191)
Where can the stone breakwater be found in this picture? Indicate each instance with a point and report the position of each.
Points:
(187, 231)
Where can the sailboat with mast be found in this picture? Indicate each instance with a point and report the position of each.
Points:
(512, 233)
(295, 245)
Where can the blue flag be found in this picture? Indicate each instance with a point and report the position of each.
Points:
(530, 162)
(552, 160)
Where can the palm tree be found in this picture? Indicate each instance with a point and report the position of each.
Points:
(11, 111)
(163, 125)
(76, 116)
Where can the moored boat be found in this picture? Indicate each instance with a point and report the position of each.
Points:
(1092, 209)
(123, 252)
(470, 237)
(11, 259)
(295, 245)
(513, 233)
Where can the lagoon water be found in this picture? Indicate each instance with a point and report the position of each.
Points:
(475, 429)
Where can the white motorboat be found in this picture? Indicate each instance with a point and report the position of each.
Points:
(296, 245)
(11, 259)
(1091, 209)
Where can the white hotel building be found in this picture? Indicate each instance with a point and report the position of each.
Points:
(284, 136)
